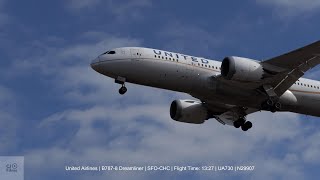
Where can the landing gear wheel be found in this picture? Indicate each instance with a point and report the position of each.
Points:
(246, 126)
(122, 90)
(277, 106)
(238, 123)
(270, 102)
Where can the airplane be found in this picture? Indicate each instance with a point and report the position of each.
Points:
(227, 91)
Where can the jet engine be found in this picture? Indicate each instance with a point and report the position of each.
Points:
(241, 69)
(188, 111)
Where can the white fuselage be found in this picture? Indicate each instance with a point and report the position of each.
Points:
(196, 76)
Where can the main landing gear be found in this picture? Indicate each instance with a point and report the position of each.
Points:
(271, 105)
(241, 122)
(121, 80)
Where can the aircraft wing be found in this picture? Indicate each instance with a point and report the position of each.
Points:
(289, 67)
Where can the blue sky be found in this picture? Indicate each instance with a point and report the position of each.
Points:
(56, 111)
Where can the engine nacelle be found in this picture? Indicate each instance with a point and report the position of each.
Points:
(188, 111)
(241, 69)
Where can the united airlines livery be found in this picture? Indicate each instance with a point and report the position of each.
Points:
(227, 91)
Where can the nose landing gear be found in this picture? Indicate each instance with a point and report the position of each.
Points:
(121, 80)
(123, 90)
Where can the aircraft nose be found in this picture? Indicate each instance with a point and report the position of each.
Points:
(94, 62)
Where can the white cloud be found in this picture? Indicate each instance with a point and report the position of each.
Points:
(146, 135)
(91, 50)
(8, 122)
(287, 122)
(82, 4)
(287, 8)
(50, 59)
(70, 71)
(278, 168)
(131, 9)
(122, 10)
(136, 128)
(5, 96)
(4, 17)
(8, 129)
(311, 147)
(190, 39)
(199, 41)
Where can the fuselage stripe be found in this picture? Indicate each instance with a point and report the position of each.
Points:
(306, 92)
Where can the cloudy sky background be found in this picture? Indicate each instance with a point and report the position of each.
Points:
(56, 111)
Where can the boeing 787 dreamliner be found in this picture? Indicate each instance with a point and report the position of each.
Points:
(227, 91)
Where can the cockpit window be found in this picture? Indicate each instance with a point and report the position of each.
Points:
(109, 52)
